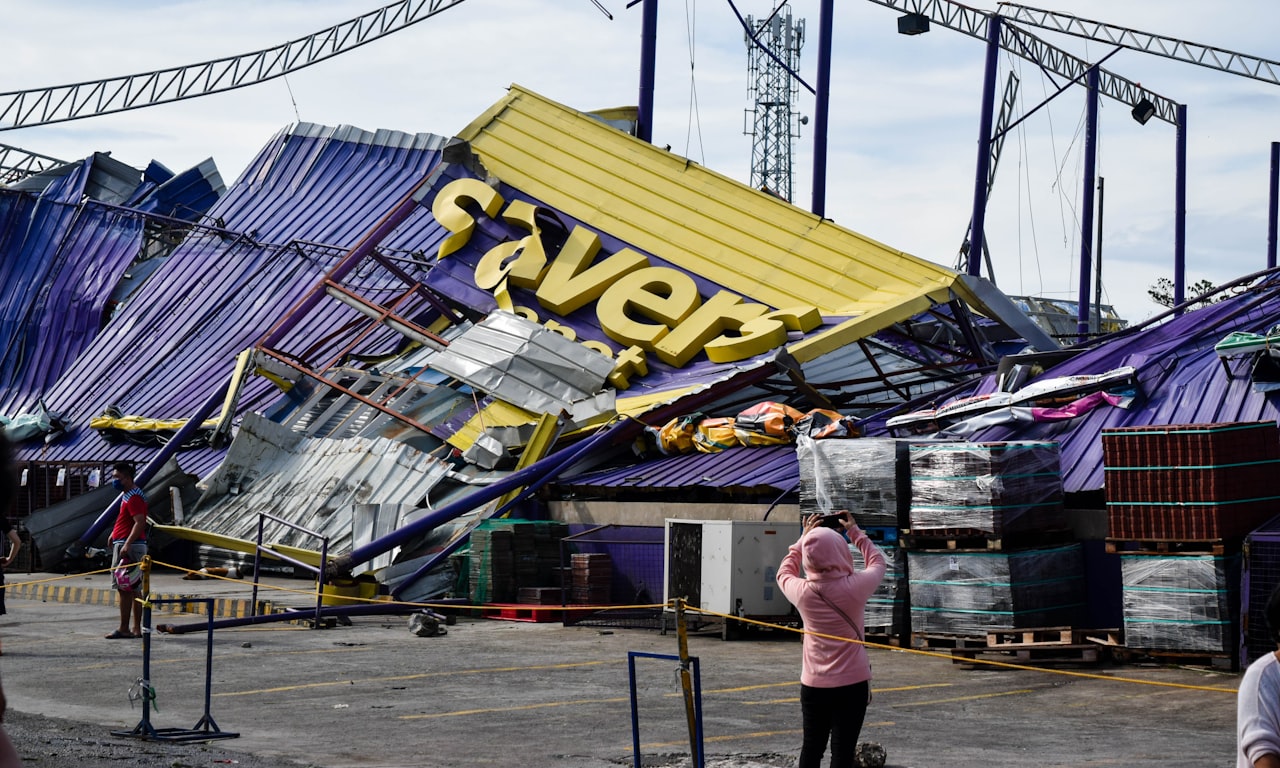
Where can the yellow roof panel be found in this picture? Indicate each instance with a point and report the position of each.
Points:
(748, 241)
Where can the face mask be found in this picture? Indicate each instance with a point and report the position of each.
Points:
(119, 486)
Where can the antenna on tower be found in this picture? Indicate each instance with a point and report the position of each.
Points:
(773, 53)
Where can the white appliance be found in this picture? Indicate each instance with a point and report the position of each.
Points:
(728, 566)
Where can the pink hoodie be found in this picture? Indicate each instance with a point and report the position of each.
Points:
(828, 565)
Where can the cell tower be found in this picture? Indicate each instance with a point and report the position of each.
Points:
(772, 118)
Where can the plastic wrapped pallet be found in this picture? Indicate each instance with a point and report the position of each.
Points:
(992, 488)
(1180, 602)
(887, 609)
(969, 593)
(866, 476)
(1259, 577)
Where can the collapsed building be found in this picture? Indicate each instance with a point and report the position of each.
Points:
(372, 342)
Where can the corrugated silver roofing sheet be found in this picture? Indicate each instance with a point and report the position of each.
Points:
(313, 483)
(168, 350)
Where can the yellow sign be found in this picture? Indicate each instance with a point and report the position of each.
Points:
(647, 309)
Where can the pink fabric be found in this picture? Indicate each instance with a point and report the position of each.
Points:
(828, 565)
(1076, 408)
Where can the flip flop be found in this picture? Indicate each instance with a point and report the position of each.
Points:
(118, 635)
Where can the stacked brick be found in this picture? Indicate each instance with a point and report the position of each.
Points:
(592, 578)
(1191, 482)
(514, 561)
(1180, 501)
(988, 546)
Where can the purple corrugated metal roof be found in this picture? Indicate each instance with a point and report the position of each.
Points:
(60, 260)
(1181, 378)
(175, 342)
(766, 469)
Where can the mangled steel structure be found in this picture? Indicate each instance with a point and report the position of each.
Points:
(447, 297)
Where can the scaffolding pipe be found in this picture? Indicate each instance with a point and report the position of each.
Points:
(1087, 205)
(382, 608)
(1273, 209)
(543, 467)
(978, 228)
(821, 110)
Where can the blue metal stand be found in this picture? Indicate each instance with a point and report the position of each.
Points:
(699, 760)
(203, 730)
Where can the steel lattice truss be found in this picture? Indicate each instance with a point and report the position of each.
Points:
(973, 22)
(17, 164)
(1169, 47)
(61, 103)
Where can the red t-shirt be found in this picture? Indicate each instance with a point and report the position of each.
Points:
(132, 507)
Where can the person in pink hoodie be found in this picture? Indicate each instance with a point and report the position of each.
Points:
(835, 674)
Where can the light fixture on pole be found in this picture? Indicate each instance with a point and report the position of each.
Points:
(1143, 111)
(913, 24)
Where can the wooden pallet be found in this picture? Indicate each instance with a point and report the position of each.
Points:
(971, 540)
(1170, 547)
(1042, 645)
(1209, 659)
(897, 640)
(943, 642)
(1031, 653)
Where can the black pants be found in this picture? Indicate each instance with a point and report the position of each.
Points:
(834, 713)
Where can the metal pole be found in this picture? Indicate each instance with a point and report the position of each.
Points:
(1097, 268)
(1180, 215)
(549, 465)
(1273, 210)
(977, 230)
(821, 110)
(686, 683)
(1086, 205)
(648, 63)
(151, 467)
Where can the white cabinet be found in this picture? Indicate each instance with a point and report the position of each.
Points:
(728, 566)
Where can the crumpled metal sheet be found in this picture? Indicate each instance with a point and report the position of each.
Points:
(318, 484)
(525, 364)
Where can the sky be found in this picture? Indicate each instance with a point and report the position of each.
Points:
(903, 117)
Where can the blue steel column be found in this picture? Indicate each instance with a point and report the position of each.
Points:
(976, 230)
(1180, 214)
(821, 110)
(1273, 206)
(648, 63)
(153, 466)
(1086, 205)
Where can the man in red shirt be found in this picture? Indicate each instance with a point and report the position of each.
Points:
(128, 545)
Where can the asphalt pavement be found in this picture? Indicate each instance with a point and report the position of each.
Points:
(499, 692)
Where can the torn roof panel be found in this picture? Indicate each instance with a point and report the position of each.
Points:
(524, 363)
(315, 484)
(166, 352)
(768, 470)
(61, 257)
(1181, 380)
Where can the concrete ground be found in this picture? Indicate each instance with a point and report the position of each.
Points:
(500, 693)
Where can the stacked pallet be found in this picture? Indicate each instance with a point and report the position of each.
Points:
(987, 547)
(886, 613)
(1190, 482)
(1259, 577)
(1180, 501)
(492, 571)
(592, 578)
(508, 557)
(869, 477)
